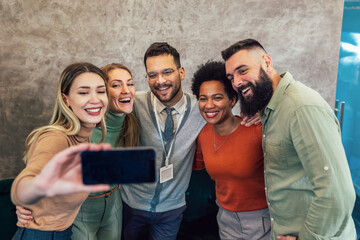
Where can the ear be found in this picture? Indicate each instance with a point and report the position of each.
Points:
(65, 99)
(182, 73)
(267, 63)
(233, 102)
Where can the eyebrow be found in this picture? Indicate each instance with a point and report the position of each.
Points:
(119, 80)
(212, 95)
(162, 70)
(241, 66)
(87, 87)
(237, 68)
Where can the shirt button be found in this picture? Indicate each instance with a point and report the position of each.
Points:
(268, 203)
(272, 219)
(264, 154)
(265, 187)
(326, 168)
(264, 136)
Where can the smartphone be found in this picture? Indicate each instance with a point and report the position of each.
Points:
(123, 165)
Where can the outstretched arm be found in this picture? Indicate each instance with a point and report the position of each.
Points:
(61, 175)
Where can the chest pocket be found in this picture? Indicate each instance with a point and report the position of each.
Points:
(275, 155)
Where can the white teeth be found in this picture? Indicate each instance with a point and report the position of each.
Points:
(211, 114)
(93, 110)
(124, 100)
(245, 90)
(163, 88)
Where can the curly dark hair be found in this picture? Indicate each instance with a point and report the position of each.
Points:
(212, 71)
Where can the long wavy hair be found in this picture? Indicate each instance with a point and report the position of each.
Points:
(63, 118)
(131, 129)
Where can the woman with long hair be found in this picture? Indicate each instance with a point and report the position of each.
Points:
(100, 216)
(54, 198)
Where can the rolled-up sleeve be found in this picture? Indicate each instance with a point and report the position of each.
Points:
(317, 140)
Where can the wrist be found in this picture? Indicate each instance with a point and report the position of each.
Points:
(38, 188)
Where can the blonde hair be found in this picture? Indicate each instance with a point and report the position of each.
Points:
(63, 118)
(131, 129)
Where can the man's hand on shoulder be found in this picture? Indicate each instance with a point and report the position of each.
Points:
(250, 120)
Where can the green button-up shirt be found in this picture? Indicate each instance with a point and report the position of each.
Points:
(308, 183)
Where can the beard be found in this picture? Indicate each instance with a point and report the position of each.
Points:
(262, 94)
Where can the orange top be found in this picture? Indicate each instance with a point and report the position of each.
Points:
(237, 168)
(50, 213)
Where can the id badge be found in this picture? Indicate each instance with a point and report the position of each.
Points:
(166, 173)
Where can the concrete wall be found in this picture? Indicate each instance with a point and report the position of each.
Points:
(39, 38)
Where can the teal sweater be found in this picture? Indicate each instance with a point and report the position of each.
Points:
(114, 126)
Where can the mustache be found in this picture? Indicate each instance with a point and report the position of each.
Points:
(163, 85)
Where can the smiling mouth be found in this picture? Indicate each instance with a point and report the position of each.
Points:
(93, 110)
(211, 114)
(163, 88)
(244, 91)
(125, 100)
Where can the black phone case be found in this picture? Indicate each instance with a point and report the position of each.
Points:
(118, 166)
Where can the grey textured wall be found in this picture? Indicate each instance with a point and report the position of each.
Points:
(39, 38)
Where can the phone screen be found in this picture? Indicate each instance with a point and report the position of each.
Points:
(125, 165)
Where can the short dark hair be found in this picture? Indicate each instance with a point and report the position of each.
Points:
(241, 45)
(160, 48)
(212, 71)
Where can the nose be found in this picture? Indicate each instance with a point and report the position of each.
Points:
(161, 79)
(237, 82)
(209, 104)
(125, 89)
(94, 98)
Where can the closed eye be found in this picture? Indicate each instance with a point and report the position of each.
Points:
(152, 75)
(241, 71)
(230, 77)
(168, 72)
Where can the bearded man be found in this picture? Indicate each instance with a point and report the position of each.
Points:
(309, 189)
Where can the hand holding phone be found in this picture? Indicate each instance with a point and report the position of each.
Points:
(123, 165)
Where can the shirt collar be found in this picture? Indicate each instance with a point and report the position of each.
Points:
(180, 107)
(286, 79)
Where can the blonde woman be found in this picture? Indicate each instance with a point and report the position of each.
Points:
(100, 216)
(54, 198)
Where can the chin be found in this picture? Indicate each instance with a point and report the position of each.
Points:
(89, 124)
(125, 110)
(128, 111)
(212, 121)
